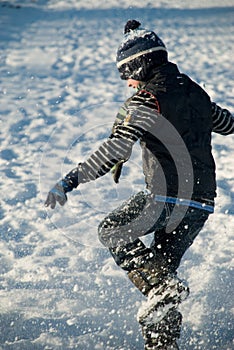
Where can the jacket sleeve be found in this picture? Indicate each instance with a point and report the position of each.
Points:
(223, 120)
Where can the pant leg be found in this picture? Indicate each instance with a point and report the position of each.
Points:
(121, 229)
(140, 215)
(149, 267)
(134, 218)
(173, 245)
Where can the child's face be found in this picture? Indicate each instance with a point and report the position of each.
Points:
(133, 83)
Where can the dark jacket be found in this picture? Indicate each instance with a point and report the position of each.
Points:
(187, 107)
(173, 118)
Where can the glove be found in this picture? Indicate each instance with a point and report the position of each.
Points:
(58, 194)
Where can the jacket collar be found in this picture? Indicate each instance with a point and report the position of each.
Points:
(161, 75)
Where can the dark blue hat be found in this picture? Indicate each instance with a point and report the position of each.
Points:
(140, 51)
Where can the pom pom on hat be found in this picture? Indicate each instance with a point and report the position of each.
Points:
(140, 51)
(131, 25)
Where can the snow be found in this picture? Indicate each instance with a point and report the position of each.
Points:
(59, 93)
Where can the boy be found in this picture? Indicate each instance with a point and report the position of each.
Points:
(173, 118)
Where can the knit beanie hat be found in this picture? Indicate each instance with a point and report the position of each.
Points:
(140, 52)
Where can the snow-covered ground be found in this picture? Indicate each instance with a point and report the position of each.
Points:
(59, 93)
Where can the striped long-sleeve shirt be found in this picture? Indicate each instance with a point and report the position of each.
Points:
(223, 121)
(133, 119)
(138, 115)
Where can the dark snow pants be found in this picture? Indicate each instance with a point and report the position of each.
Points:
(141, 215)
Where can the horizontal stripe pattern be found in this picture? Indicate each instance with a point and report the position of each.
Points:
(223, 121)
(130, 125)
(138, 54)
